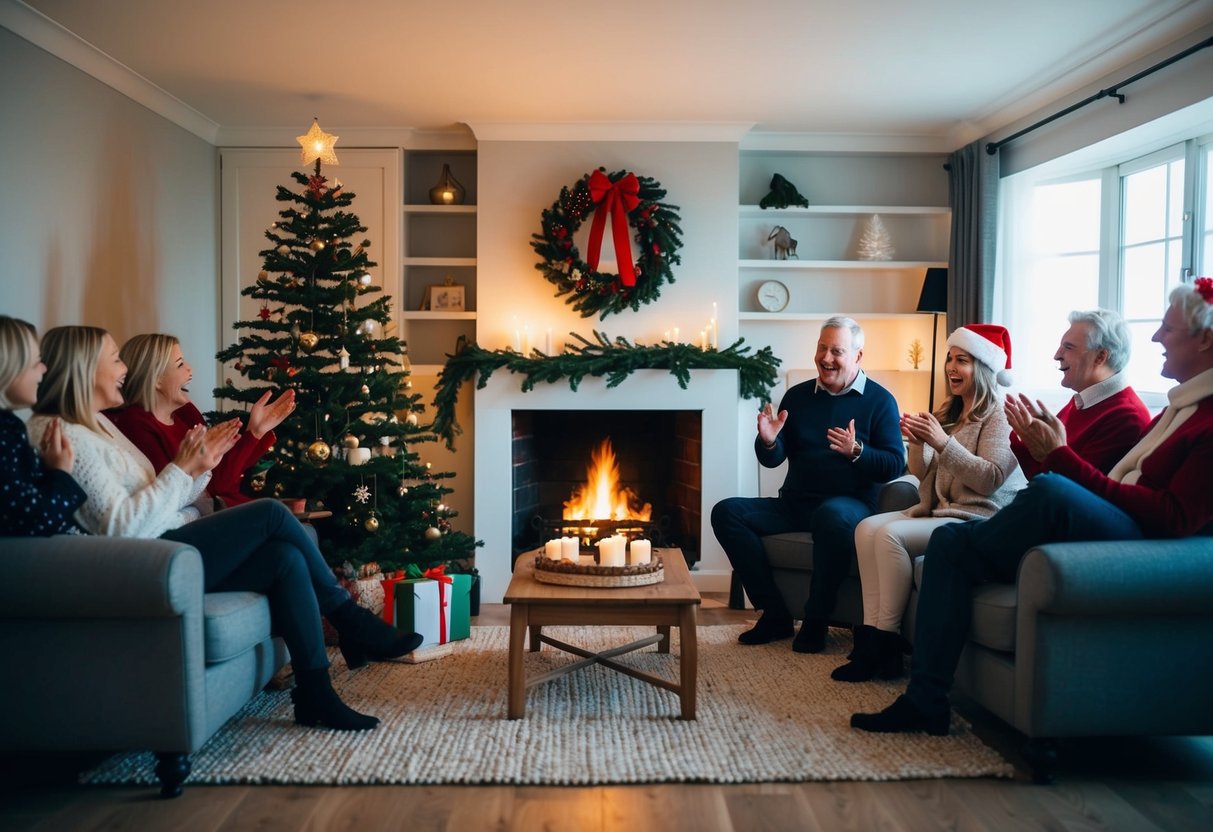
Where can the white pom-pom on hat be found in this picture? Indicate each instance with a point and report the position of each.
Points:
(988, 343)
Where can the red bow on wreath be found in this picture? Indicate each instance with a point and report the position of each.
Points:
(617, 199)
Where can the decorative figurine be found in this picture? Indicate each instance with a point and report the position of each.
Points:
(783, 193)
(785, 246)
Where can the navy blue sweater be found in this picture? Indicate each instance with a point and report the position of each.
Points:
(813, 469)
(34, 500)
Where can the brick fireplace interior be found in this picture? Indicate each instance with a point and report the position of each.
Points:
(659, 456)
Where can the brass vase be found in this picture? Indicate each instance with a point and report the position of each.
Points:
(448, 191)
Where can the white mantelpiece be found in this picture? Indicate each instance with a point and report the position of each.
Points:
(713, 392)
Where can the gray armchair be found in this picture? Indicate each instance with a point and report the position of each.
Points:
(112, 645)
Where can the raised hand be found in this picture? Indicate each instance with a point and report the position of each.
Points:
(924, 428)
(202, 447)
(56, 448)
(266, 415)
(842, 440)
(770, 424)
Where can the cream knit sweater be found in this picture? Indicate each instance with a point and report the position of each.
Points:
(125, 497)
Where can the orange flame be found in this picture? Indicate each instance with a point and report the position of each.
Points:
(601, 497)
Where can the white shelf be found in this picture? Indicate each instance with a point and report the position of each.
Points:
(820, 265)
(841, 210)
(469, 262)
(427, 315)
(439, 209)
(776, 317)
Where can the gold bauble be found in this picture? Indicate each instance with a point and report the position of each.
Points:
(316, 245)
(308, 341)
(349, 441)
(318, 452)
(366, 391)
(432, 533)
(371, 524)
(411, 419)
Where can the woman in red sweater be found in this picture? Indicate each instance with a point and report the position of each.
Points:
(158, 413)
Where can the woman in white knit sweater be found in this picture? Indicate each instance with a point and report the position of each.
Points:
(962, 457)
(258, 546)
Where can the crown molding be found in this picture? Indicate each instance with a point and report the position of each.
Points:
(615, 131)
(768, 141)
(46, 34)
(457, 137)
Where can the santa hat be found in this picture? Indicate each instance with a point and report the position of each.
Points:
(988, 343)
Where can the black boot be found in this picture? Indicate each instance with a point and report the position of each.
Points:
(891, 650)
(863, 659)
(771, 627)
(812, 636)
(903, 716)
(362, 635)
(318, 705)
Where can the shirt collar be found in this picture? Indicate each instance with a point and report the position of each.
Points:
(1101, 391)
(857, 384)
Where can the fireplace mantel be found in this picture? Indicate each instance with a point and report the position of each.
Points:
(713, 392)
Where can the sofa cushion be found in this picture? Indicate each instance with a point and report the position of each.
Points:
(994, 608)
(233, 622)
(794, 550)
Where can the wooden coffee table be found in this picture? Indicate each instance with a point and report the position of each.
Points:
(672, 603)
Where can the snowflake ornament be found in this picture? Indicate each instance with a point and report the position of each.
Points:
(362, 494)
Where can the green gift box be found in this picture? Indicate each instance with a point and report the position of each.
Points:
(437, 608)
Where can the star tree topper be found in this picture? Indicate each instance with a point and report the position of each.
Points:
(317, 145)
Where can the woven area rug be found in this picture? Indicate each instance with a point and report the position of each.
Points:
(765, 714)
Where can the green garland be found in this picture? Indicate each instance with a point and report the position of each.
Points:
(615, 359)
(658, 238)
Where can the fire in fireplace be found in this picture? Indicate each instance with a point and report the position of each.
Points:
(612, 507)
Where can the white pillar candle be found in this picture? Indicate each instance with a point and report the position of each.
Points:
(526, 340)
(551, 549)
(703, 339)
(715, 333)
(358, 456)
(675, 334)
(570, 549)
(517, 341)
(547, 350)
(611, 551)
(640, 551)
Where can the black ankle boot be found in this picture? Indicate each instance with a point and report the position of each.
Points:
(769, 628)
(891, 650)
(863, 658)
(903, 716)
(362, 635)
(318, 705)
(812, 636)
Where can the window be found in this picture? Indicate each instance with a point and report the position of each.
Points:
(1121, 236)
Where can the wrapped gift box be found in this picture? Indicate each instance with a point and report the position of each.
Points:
(437, 608)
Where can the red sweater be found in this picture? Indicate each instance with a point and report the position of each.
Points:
(1100, 434)
(159, 443)
(1173, 497)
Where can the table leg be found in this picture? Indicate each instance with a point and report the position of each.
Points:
(664, 645)
(688, 647)
(517, 678)
(536, 632)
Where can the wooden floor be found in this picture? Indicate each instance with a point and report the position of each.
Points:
(1116, 784)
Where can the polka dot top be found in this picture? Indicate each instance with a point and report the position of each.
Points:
(35, 501)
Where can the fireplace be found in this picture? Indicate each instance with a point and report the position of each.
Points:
(508, 486)
(590, 473)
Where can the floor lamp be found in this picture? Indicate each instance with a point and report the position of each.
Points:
(934, 300)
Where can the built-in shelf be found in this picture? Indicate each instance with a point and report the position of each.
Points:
(840, 210)
(866, 265)
(439, 209)
(776, 317)
(426, 315)
(449, 262)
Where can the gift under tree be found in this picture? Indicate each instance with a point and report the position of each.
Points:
(348, 448)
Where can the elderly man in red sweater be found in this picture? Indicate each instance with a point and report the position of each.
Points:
(1105, 418)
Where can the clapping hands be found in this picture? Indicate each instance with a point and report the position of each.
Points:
(203, 447)
(266, 415)
(1040, 430)
(923, 429)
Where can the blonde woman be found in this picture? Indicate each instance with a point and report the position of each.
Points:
(257, 547)
(158, 414)
(966, 471)
(37, 493)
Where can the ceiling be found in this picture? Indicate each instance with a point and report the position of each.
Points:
(950, 69)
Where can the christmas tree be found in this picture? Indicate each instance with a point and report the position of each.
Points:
(349, 446)
(875, 243)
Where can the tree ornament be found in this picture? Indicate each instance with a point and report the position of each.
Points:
(401, 489)
(371, 524)
(308, 341)
(316, 245)
(279, 489)
(318, 453)
(362, 494)
(349, 441)
(432, 533)
(411, 420)
(284, 250)
(264, 312)
(875, 244)
(366, 391)
(364, 279)
(317, 146)
(295, 332)
(627, 200)
(343, 358)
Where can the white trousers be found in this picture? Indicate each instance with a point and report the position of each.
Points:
(886, 545)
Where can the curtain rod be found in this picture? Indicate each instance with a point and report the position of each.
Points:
(1111, 92)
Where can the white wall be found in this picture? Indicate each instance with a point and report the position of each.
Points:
(110, 215)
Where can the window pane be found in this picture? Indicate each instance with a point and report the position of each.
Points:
(1145, 364)
(1065, 217)
(1145, 279)
(1068, 283)
(1145, 203)
(1175, 202)
(1206, 265)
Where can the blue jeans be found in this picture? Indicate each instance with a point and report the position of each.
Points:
(1052, 509)
(741, 522)
(261, 547)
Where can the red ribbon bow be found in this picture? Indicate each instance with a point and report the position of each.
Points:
(438, 573)
(617, 199)
(1204, 285)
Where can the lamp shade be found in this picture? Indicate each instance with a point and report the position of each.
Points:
(934, 297)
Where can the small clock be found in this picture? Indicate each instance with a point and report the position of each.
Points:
(773, 296)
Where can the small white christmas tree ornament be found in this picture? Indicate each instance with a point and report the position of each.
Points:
(875, 244)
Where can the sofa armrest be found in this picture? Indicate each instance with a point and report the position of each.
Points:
(898, 494)
(78, 576)
(1140, 576)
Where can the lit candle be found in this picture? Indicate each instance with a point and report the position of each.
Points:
(551, 549)
(640, 551)
(547, 347)
(675, 334)
(526, 340)
(665, 336)
(715, 332)
(714, 315)
(358, 456)
(448, 197)
(570, 549)
(517, 341)
(703, 339)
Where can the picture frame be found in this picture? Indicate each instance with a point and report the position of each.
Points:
(445, 298)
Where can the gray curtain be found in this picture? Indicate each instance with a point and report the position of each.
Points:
(973, 190)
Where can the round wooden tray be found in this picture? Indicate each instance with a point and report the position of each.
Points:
(601, 581)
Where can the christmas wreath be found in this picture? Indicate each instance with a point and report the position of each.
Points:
(628, 201)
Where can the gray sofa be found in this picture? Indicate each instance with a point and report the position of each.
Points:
(1093, 639)
(111, 644)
